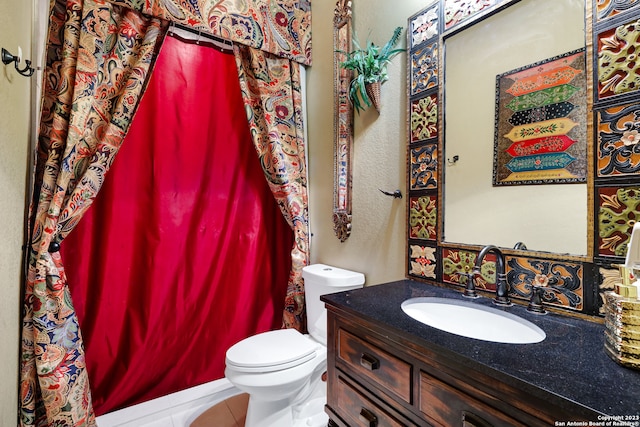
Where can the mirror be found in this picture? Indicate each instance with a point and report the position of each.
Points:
(342, 121)
(545, 217)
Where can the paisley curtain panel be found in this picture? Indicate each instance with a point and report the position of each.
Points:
(271, 89)
(100, 56)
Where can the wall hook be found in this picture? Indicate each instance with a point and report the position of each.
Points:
(453, 160)
(396, 194)
(8, 58)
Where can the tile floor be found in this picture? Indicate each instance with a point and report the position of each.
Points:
(228, 413)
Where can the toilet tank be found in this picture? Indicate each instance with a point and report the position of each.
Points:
(320, 279)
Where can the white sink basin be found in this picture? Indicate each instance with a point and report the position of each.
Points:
(473, 320)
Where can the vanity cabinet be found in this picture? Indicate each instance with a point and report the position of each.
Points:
(380, 377)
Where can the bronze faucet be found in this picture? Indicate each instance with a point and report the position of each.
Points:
(502, 287)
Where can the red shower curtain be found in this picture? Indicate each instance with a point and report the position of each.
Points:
(184, 251)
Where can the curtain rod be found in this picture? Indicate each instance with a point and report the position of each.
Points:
(180, 31)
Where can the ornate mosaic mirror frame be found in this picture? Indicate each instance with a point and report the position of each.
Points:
(579, 282)
(343, 121)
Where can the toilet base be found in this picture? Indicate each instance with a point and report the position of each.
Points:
(304, 409)
(281, 414)
(312, 414)
(269, 414)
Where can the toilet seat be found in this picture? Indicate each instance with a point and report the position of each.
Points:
(271, 351)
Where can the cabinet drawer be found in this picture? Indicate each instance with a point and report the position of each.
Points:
(357, 410)
(451, 407)
(384, 369)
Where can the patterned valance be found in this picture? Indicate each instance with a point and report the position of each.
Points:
(281, 27)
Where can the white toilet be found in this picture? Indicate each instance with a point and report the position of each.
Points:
(281, 370)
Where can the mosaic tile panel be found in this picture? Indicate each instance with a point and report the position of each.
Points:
(423, 217)
(424, 167)
(457, 263)
(618, 150)
(424, 26)
(564, 281)
(457, 11)
(424, 68)
(422, 261)
(618, 64)
(424, 118)
(609, 8)
(617, 213)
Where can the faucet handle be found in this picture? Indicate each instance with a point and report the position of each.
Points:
(535, 304)
(470, 289)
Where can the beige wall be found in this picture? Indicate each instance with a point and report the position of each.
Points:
(15, 29)
(376, 246)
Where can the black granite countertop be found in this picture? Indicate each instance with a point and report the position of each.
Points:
(570, 363)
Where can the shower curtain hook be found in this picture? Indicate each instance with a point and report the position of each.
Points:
(198, 38)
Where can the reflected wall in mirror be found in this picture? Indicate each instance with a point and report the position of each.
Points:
(551, 218)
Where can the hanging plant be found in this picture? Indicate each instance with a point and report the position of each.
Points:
(370, 65)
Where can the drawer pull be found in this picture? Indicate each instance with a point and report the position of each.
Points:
(366, 416)
(370, 362)
(471, 420)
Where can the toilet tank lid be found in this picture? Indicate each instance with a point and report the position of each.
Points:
(332, 276)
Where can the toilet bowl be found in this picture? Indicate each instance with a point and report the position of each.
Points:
(282, 370)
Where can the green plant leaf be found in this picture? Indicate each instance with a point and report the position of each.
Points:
(370, 66)
(386, 52)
